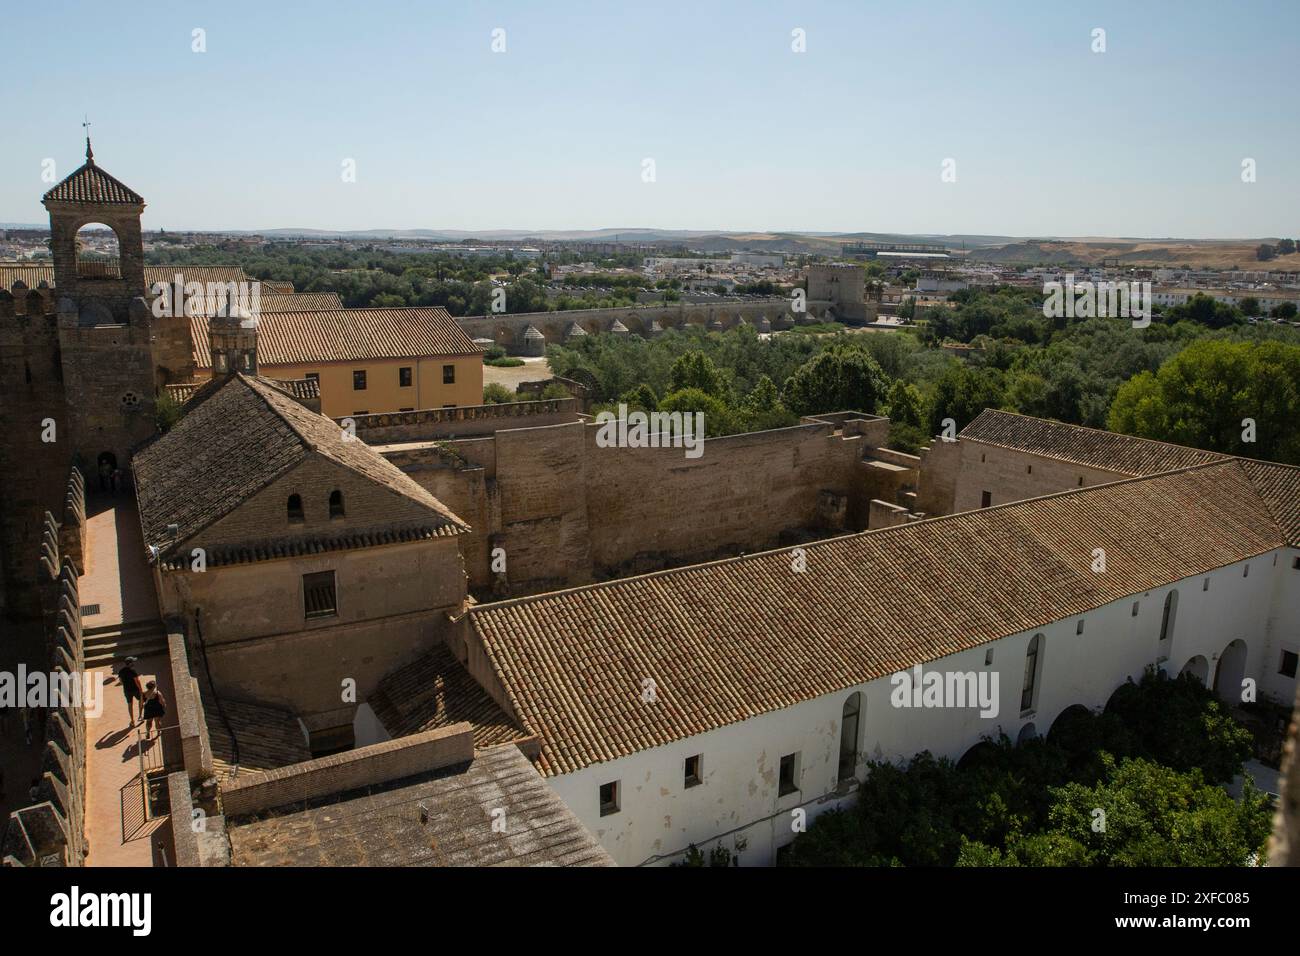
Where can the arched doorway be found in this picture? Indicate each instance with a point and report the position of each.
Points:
(850, 719)
(106, 469)
(1230, 671)
(1198, 667)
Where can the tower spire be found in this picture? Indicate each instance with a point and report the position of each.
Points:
(90, 153)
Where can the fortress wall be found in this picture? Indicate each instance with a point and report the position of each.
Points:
(542, 485)
(1012, 475)
(468, 420)
(652, 507)
(31, 382)
(567, 510)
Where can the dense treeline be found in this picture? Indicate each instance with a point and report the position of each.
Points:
(376, 277)
(1100, 372)
(1137, 785)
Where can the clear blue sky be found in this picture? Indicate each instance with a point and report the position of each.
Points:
(1049, 138)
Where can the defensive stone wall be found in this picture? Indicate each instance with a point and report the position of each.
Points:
(554, 507)
(51, 831)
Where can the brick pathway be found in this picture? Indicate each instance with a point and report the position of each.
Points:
(115, 824)
(117, 576)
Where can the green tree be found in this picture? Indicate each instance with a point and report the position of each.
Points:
(1203, 396)
(839, 379)
(962, 392)
(719, 418)
(642, 397)
(494, 393)
(696, 370)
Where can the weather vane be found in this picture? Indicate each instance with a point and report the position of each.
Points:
(85, 123)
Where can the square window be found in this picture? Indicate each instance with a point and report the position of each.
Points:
(1135, 608)
(1245, 572)
(986, 499)
(1029, 469)
(1078, 628)
(693, 776)
(359, 380)
(1080, 481)
(1288, 664)
(1295, 564)
(313, 377)
(988, 657)
(404, 377)
(789, 779)
(319, 598)
(983, 457)
(1205, 585)
(608, 798)
(449, 375)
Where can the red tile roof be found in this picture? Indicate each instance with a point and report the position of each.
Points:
(347, 335)
(239, 434)
(1124, 454)
(90, 184)
(729, 640)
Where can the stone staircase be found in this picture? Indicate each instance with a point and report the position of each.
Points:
(109, 643)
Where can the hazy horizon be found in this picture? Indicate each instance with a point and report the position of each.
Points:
(1050, 139)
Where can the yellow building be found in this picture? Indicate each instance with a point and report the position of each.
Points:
(367, 361)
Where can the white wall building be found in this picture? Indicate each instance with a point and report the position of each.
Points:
(706, 704)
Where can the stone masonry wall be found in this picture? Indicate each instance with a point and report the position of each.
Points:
(51, 832)
(31, 383)
(338, 773)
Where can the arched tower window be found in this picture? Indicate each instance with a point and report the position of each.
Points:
(850, 719)
(336, 504)
(99, 255)
(295, 510)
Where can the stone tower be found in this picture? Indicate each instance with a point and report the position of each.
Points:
(107, 330)
(232, 337)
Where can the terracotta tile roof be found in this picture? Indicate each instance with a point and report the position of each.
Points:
(280, 285)
(299, 388)
(240, 433)
(348, 335)
(268, 737)
(437, 818)
(32, 274)
(90, 184)
(1279, 486)
(436, 691)
(204, 274)
(1124, 454)
(28, 274)
(299, 301)
(729, 640)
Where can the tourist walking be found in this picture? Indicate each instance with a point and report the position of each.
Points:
(155, 706)
(130, 688)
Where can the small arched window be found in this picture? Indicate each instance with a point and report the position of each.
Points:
(1167, 619)
(850, 716)
(336, 504)
(1033, 667)
(295, 509)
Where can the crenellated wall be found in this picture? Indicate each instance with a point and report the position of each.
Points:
(51, 831)
(564, 509)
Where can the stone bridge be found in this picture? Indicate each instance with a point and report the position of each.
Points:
(512, 330)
